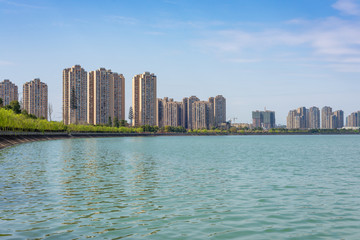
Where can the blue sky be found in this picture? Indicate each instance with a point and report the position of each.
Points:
(277, 54)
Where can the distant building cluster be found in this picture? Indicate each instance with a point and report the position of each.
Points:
(263, 119)
(191, 113)
(98, 97)
(353, 120)
(8, 92)
(35, 96)
(303, 118)
(92, 98)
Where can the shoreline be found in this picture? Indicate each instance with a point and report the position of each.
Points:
(8, 139)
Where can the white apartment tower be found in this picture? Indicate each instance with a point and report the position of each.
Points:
(144, 99)
(74, 95)
(35, 98)
(106, 96)
(8, 92)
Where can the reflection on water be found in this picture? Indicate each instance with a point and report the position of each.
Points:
(265, 187)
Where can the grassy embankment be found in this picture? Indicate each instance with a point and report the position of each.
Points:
(9, 121)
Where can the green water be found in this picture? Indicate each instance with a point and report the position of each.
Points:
(226, 187)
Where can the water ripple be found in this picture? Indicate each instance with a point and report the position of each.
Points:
(254, 187)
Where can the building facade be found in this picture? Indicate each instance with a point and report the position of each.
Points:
(161, 105)
(326, 113)
(74, 95)
(191, 113)
(219, 110)
(144, 99)
(8, 92)
(202, 115)
(264, 119)
(303, 118)
(339, 114)
(330, 119)
(170, 113)
(293, 120)
(188, 102)
(353, 120)
(106, 97)
(35, 98)
(314, 118)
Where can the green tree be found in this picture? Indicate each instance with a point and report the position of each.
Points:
(109, 122)
(131, 115)
(1, 103)
(123, 123)
(116, 122)
(233, 130)
(15, 106)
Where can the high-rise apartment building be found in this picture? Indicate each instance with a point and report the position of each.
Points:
(202, 115)
(331, 120)
(264, 119)
(326, 113)
(106, 96)
(35, 98)
(191, 113)
(173, 114)
(161, 105)
(219, 110)
(188, 102)
(144, 99)
(303, 118)
(8, 92)
(293, 120)
(184, 121)
(314, 118)
(339, 118)
(302, 112)
(74, 95)
(170, 113)
(353, 120)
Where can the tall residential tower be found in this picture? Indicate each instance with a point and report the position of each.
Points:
(106, 97)
(144, 99)
(74, 95)
(264, 119)
(35, 98)
(219, 110)
(8, 92)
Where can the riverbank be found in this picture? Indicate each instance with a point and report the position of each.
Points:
(8, 139)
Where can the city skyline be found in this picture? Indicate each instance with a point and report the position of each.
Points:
(258, 54)
(97, 97)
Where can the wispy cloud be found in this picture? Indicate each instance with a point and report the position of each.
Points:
(5, 63)
(349, 7)
(21, 4)
(243, 60)
(155, 33)
(331, 40)
(122, 20)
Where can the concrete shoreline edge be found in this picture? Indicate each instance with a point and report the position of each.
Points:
(8, 139)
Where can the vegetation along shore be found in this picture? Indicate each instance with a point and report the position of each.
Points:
(19, 127)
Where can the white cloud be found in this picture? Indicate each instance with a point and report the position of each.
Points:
(243, 60)
(122, 20)
(5, 63)
(349, 7)
(329, 40)
(22, 5)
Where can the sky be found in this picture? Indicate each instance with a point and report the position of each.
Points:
(278, 54)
